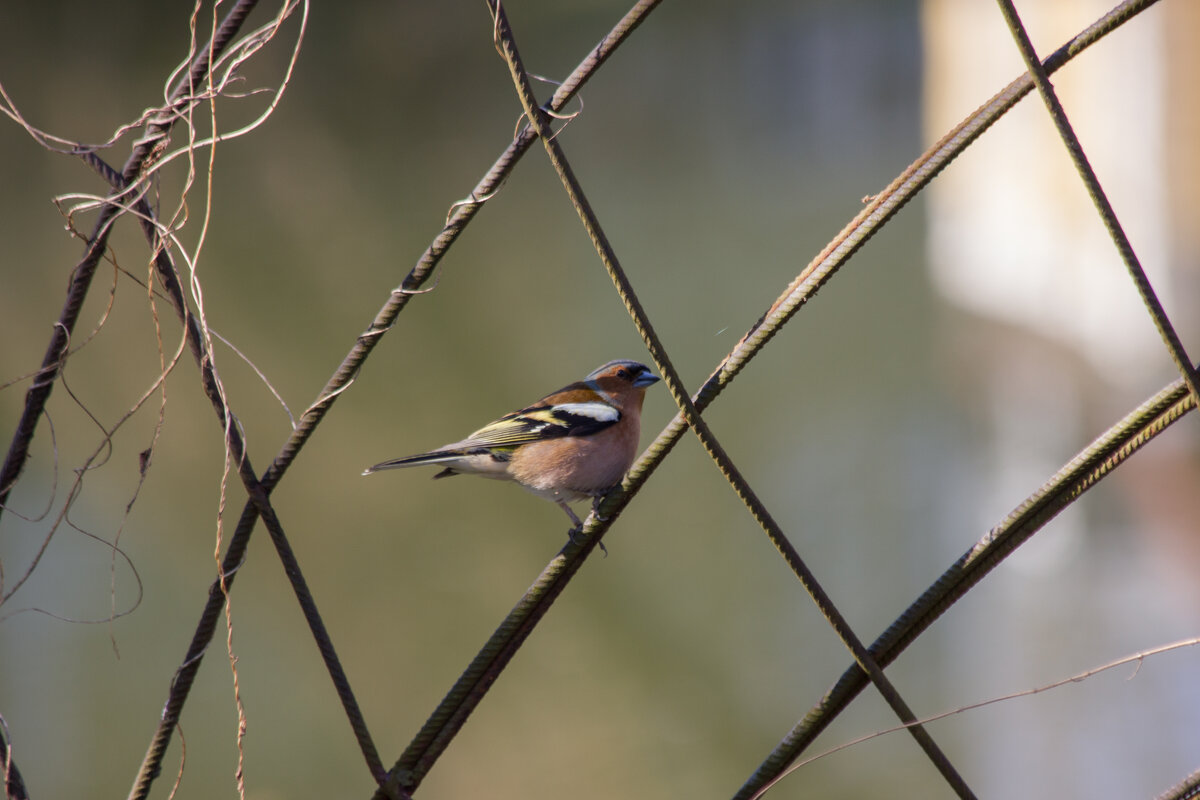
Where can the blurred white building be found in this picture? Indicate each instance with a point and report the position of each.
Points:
(1013, 234)
(1066, 349)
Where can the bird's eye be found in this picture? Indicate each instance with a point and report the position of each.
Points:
(624, 373)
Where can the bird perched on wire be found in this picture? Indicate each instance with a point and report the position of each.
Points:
(572, 444)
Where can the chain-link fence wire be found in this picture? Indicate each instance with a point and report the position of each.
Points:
(129, 197)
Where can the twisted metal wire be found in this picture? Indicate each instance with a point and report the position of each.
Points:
(518, 625)
(1081, 473)
(1187, 789)
(14, 786)
(259, 497)
(260, 489)
(1103, 207)
(458, 703)
(460, 216)
(182, 94)
(943, 592)
(741, 487)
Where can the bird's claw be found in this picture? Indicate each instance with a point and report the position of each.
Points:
(576, 538)
(596, 501)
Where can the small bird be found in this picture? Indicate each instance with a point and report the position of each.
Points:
(572, 444)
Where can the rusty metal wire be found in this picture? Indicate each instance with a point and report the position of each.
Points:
(507, 45)
(1103, 207)
(81, 277)
(344, 375)
(450, 715)
(14, 785)
(1083, 472)
(1186, 789)
(1090, 466)
(259, 497)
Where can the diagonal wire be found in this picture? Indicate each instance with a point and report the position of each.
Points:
(1080, 474)
(450, 714)
(460, 215)
(434, 254)
(1107, 215)
(169, 278)
(507, 44)
(344, 375)
(182, 95)
(14, 787)
(1187, 789)
(157, 131)
(881, 208)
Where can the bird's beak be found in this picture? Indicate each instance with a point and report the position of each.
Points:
(645, 379)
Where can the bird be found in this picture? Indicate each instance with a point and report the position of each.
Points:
(572, 444)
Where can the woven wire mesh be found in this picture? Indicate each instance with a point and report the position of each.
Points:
(252, 468)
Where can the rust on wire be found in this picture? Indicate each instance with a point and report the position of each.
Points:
(129, 196)
(1104, 208)
(687, 408)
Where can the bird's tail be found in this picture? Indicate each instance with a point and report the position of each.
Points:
(436, 457)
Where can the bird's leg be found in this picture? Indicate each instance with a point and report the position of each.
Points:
(576, 523)
(596, 513)
(596, 501)
(577, 528)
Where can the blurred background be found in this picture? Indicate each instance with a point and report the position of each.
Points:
(969, 350)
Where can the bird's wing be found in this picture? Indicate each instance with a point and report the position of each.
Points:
(537, 423)
(542, 421)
